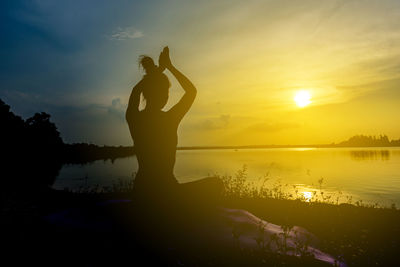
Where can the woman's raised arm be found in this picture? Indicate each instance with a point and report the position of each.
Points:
(183, 106)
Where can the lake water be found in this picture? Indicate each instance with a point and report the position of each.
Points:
(370, 174)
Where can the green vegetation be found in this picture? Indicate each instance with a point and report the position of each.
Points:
(360, 234)
(240, 186)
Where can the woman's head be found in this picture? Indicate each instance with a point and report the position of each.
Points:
(155, 84)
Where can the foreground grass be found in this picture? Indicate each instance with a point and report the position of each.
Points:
(359, 234)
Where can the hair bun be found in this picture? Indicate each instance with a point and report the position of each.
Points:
(147, 64)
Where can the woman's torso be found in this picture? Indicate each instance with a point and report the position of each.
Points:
(155, 138)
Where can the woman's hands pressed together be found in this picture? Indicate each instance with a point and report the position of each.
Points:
(164, 60)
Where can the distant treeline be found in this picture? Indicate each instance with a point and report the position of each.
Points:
(369, 141)
(355, 141)
(83, 153)
(33, 152)
(38, 138)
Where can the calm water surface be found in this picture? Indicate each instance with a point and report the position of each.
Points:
(370, 174)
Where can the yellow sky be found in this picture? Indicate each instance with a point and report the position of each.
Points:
(248, 61)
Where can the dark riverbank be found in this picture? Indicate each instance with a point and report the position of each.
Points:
(112, 230)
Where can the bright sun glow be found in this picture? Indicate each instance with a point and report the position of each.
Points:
(302, 98)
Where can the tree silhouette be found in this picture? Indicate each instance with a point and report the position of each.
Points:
(13, 127)
(363, 141)
(31, 150)
(43, 132)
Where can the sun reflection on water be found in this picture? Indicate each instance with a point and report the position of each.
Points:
(307, 195)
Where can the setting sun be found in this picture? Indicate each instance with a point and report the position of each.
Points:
(302, 98)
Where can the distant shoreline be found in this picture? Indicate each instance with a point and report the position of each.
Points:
(84, 152)
(277, 146)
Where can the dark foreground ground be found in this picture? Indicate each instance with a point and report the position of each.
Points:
(112, 231)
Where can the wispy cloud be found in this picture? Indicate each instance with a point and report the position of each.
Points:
(273, 127)
(214, 123)
(117, 109)
(325, 16)
(121, 34)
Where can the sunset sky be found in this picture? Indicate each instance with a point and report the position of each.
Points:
(77, 60)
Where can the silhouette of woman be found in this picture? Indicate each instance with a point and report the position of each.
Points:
(154, 133)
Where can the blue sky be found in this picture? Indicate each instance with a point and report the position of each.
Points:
(57, 55)
(77, 60)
